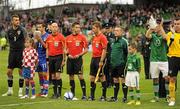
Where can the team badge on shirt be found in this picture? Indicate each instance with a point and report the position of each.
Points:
(18, 32)
(129, 66)
(157, 42)
(15, 38)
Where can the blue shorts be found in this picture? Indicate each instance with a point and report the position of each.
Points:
(42, 66)
(26, 72)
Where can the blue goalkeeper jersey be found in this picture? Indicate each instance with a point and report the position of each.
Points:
(40, 49)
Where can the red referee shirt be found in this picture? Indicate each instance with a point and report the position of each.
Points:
(76, 43)
(55, 44)
(99, 42)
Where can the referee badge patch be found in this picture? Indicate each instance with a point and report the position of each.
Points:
(77, 43)
(97, 45)
(56, 44)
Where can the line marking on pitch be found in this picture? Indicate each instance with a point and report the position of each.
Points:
(28, 103)
(50, 101)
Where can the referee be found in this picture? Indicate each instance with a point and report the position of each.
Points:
(119, 54)
(16, 36)
(99, 47)
(55, 44)
(76, 47)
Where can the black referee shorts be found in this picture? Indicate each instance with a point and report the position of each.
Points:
(75, 66)
(95, 66)
(174, 66)
(55, 64)
(118, 71)
(15, 59)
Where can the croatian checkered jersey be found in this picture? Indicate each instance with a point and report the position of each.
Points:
(30, 57)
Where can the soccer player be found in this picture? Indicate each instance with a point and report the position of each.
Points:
(55, 45)
(30, 60)
(132, 76)
(173, 38)
(158, 58)
(16, 36)
(76, 47)
(42, 65)
(119, 54)
(99, 47)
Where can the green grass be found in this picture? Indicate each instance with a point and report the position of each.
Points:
(13, 102)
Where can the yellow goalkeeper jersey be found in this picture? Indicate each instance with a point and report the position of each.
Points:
(174, 48)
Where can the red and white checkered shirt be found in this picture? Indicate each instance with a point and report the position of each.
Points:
(30, 57)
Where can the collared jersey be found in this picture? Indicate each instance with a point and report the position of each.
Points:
(99, 42)
(133, 62)
(30, 57)
(75, 44)
(174, 48)
(16, 38)
(55, 44)
(158, 48)
(119, 51)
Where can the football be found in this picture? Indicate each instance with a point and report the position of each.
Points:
(68, 95)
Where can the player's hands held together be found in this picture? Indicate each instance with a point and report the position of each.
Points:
(73, 57)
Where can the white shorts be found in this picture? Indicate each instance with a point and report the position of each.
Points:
(156, 67)
(132, 79)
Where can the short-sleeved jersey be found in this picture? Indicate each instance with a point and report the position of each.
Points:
(158, 48)
(119, 51)
(30, 57)
(99, 42)
(174, 48)
(133, 62)
(55, 44)
(40, 49)
(75, 44)
(16, 38)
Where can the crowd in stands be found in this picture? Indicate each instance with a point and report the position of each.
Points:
(108, 43)
(124, 15)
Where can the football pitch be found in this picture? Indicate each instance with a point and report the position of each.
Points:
(13, 102)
